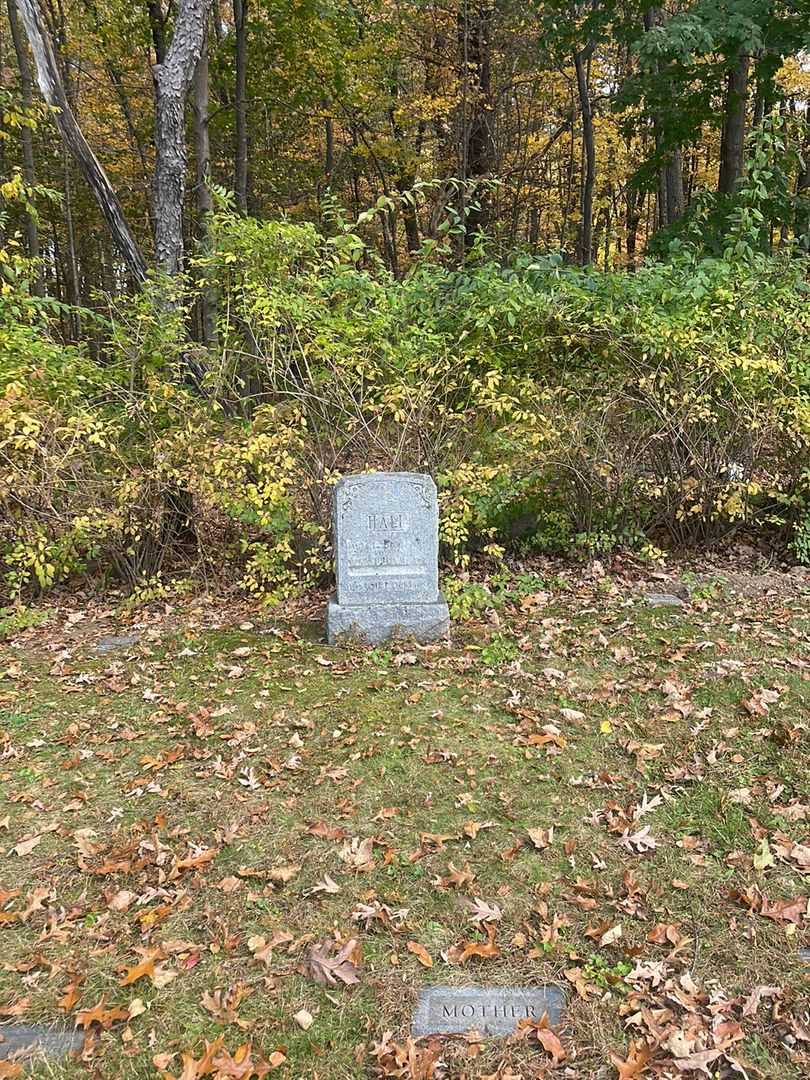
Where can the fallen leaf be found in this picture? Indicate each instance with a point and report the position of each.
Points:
(262, 949)
(482, 912)
(548, 1039)
(105, 1018)
(19, 1008)
(280, 875)
(541, 838)
(455, 878)
(699, 1061)
(192, 862)
(326, 832)
(754, 999)
(421, 953)
(791, 911)
(121, 900)
(25, 847)
(358, 854)
(638, 1055)
(460, 954)
(333, 966)
(144, 970)
(763, 858)
(327, 885)
(222, 1004)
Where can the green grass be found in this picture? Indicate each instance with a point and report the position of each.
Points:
(179, 745)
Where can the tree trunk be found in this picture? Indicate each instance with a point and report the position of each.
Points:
(732, 143)
(634, 202)
(157, 24)
(478, 144)
(240, 11)
(671, 203)
(329, 135)
(72, 275)
(205, 204)
(405, 172)
(672, 188)
(50, 83)
(172, 80)
(585, 239)
(26, 135)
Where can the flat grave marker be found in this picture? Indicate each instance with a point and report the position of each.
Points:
(38, 1040)
(491, 1010)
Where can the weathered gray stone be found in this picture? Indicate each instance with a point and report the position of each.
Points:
(491, 1010)
(374, 623)
(53, 1042)
(112, 642)
(804, 955)
(663, 599)
(386, 536)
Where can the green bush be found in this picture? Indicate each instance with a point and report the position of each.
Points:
(558, 409)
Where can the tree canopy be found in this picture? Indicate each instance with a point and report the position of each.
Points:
(590, 128)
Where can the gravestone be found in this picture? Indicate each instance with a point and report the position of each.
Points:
(385, 528)
(112, 642)
(491, 1010)
(26, 1040)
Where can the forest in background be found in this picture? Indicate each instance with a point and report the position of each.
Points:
(584, 128)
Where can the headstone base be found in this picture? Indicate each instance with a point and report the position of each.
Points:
(375, 623)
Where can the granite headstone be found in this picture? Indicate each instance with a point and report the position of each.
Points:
(491, 1010)
(386, 537)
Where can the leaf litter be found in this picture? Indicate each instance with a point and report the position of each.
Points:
(208, 839)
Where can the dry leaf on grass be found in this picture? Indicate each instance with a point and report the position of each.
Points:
(455, 878)
(329, 965)
(105, 1018)
(262, 949)
(25, 847)
(421, 953)
(637, 1057)
(461, 953)
(358, 854)
(222, 1004)
(543, 1033)
(327, 885)
(407, 1060)
(541, 838)
(280, 875)
(192, 862)
(19, 1008)
(482, 912)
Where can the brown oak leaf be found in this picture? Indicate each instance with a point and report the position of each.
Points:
(330, 965)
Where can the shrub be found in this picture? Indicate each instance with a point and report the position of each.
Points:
(557, 408)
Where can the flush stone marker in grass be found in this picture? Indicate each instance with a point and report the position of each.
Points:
(491, 1010)
(386, 535)
(26, 1041)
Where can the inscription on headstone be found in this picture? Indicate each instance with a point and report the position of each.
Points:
(491, 1010)
(386, 537)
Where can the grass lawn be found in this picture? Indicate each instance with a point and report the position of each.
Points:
(598, 794)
